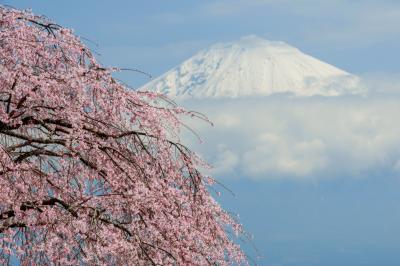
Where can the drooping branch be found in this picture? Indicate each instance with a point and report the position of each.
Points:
(92, 172)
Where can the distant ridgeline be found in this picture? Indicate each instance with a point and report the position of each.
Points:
(254, 66)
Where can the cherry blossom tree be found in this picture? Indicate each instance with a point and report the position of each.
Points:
(91, 172)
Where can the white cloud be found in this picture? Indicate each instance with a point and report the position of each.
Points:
(227, 120)
(276, 155)
(226, 160)
(283, 137)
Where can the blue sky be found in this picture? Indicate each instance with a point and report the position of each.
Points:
(346, 213)
(358, 36)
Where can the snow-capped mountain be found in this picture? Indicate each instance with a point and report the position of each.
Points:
(253, 66)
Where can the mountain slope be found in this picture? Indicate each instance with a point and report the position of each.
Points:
(252, 67)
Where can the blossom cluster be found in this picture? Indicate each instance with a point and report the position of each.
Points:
(92, 172)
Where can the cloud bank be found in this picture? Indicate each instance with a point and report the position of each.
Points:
(303, 138)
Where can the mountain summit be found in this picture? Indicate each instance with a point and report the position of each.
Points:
(253, 66)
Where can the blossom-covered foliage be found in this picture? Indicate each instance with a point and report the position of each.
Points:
(92, 173)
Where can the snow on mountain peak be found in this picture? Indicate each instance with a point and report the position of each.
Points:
(253, 42)
(253, 66)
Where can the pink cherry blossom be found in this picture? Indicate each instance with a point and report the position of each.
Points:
(91, 172)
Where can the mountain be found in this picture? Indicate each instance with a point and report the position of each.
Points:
(253, 66)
